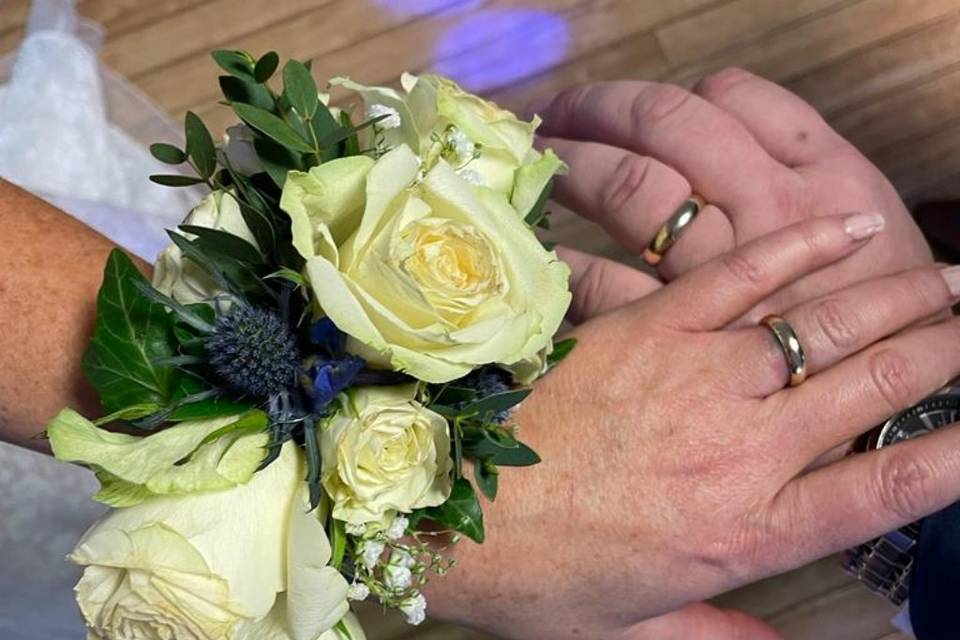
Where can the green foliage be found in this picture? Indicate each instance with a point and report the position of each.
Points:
(537, 216)
(240, 90)
(461, 512)
(167, 153)
(176, 180)
(200, 148)
(299, 89)
(338, 542)
(130, 335)
(272, 126)
(560, 351)
(266, 66)
(236, 63)
(487, 476)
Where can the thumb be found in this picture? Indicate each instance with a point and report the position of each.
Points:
(703, 621)
(600, 284)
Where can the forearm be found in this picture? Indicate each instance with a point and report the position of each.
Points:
(50, 270)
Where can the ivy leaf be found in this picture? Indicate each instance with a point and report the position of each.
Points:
(461, 512)
(300, 89)
(265, 66)
(271, 126)
(167, 153)
(176, 180)
(487, 476)
(246, 91)
(236, 63)
(130, 334)
(200, 145)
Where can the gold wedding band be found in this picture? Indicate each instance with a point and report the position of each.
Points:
(792, 349)
(671, 231)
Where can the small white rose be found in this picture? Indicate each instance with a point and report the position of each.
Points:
(180, 278)
(384, 452)
(239, 149)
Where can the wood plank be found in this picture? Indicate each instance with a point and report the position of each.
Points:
(848, 613)
(889, 67)
(786, 53)
(732, 24)
(899, 116)
(918, 167)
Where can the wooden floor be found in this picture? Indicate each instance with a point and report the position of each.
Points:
(885, 72)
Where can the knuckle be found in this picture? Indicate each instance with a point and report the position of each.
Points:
(903, 485)
(568, 102)
(836, 321)
(720, 82)
(744, 269)
(928, 289)
(894, 378)
(627, 180)
(657, 103)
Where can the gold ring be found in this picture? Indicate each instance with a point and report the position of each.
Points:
(671, 231)
(792, 349)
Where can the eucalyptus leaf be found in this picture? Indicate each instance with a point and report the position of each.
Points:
(495, 403)
(521, 456)
(488, 478)
(265, 66)
(167, 153)
(219, 242)
(461, 512)
(130, 333)
(247, 92)
(300, 88)
(277, 160)
(176, 180)
(200, 146)
(351, 145)
(236, 63)
(272, 126)
(560, 351)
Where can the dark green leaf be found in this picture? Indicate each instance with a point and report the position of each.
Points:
(461, 512)
(247, 92)
(453, 395)
(487, 442)
(265, 66)
(300, 88)
(329, 133)
(167, 153)
(536, 213)
(176, 180)
(495, 403)
(487, 476)
(130, 333)
(351, 145)
(252, 421)
(130, 413)
(219, 242)
(312, 448)
(560, 351)
(272, 126)
(521, 456)
(209, 408)
(277, 160)
(548, 245)
(200, 145)
(236, 63)
(214, 268)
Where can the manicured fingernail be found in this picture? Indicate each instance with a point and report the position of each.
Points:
(861, 226)
(951, 276)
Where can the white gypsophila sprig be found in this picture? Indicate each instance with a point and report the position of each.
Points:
(396, 577)
(414, 608)
(397, 528)
(358, 591)
(391, 117)
(461, 146)
(471, 177)
(370, 552)
(357, 530)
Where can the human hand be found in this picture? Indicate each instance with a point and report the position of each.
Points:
(676, 466)
(760, 156)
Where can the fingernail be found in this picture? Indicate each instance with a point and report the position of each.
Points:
(861, 226)
(951, 275)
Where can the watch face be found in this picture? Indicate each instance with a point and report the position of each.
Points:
(931, 414)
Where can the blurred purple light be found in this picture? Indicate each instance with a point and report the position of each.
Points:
(491, 49)
(421, 7)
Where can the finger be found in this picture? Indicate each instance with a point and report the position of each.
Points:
(833, 327)
(867, 495)
(722, 290)
(701, 620)
(851, 397)
(683, 130)
(787, 127)
(631, 197)
(600, 285)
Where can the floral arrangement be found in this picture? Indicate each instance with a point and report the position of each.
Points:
(331, 344)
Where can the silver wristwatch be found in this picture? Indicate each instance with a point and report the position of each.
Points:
(884, 564)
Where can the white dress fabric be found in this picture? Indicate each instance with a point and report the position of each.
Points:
(74, 134)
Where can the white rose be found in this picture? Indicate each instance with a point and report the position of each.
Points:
(488, 145)
(239, 149)
(240, 564)
(182, 279)
(435, 278)
(383, 452)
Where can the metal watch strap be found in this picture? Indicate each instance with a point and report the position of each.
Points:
(883, 565)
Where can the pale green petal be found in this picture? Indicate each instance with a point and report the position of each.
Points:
(173, 461)
(407, 133)
(532, 179)
(331, 194)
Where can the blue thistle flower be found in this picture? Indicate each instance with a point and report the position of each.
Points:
(488, 381)
(254, 351)
(328, 377)
(326, 335)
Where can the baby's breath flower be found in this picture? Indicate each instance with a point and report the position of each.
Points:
(461, 145)
(472, 177)
(415, 609)
(370, 552)
(358, 591)
(392, 119)
(402, 558)
(396, 577)
(397, 528)
(355, 529)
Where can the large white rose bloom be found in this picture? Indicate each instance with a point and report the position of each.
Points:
(182, 279)
(239, 564)
(428, 276)
(383, 452)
